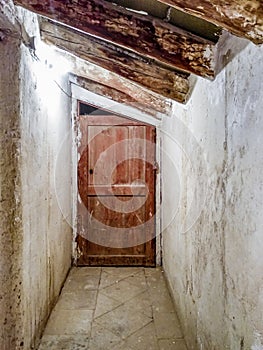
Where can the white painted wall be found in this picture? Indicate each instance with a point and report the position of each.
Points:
(36, 165)
(45, 123)
(213, 247)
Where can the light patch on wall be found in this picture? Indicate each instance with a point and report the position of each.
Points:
(51, 69)
(52, 60)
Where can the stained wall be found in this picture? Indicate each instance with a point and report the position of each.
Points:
(213, 200)
(10, 194)
(36, 237)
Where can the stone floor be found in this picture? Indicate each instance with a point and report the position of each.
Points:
(114, 308)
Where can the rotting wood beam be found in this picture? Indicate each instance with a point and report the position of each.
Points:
(243, 18)
(144, 71)
(148, 36)
(139, 97)
(114, 94)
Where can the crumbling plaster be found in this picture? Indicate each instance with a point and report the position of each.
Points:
(37, 238)
(212, 255)
(10, 196)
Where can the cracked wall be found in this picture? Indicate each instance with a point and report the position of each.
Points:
(213, 246)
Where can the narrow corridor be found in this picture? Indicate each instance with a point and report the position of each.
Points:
(114, 308)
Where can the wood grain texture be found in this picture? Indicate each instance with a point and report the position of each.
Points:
(116, 183)
(144, 71)
(141, 102)
(243, 18)
(148, 36)
(144, 99)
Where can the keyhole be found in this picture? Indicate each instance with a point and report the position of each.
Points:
(91, 171)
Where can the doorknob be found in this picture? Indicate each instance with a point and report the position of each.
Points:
(91, 171)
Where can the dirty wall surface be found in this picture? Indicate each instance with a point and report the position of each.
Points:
(36, 238)
(10, 196)
(213, 245)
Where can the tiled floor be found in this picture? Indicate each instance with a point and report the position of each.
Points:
(116, 309)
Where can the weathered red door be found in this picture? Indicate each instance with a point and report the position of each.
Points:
(116, 184)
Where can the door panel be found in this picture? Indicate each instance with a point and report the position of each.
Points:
(116, 184)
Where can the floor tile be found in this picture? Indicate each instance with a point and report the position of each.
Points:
(77, 300)
(172, 344)
(123, 321)
(79, 282)
(123, 270)
(64, 342)
(121, 346)
(137, 279)
(143, 339)
(108, 279)
(112, 308)
(156, 283)
(85, 271)
(154, 272)
(161, 303)
(66, 322)
(102, 339)
(105, 304)
(167, 325)
(122, 291)
(142, 304)
(160, 296)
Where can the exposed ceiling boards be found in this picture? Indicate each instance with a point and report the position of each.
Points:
(143, 102)
(148, 73)
(240, 17)
(171, 15)
(155, 44)
(145, 35)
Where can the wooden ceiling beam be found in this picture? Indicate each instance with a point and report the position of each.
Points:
(114, 94)
(145, 35)
(243, 18)
(137, 97)
(146, 72)
(123, 90)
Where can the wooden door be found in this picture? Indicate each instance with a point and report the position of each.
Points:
(116, 184)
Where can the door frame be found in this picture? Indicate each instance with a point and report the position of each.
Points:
(79, 94)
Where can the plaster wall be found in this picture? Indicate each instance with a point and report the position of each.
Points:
(213, 200)
(45, 169)
(35, 166)
(10, 196)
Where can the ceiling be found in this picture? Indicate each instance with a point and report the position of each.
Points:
(158, 45)
(178, 18)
